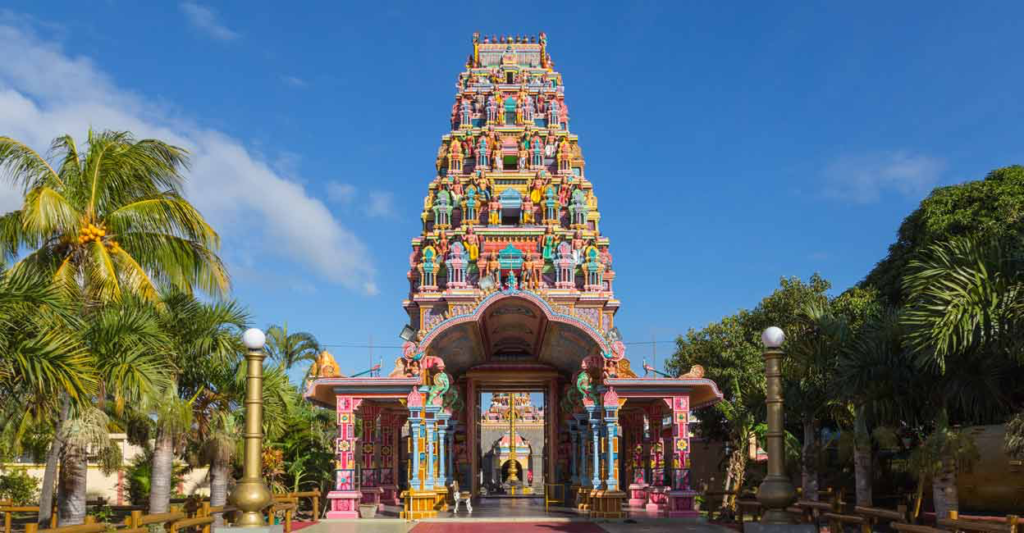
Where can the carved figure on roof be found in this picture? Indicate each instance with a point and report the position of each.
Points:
(537, 146)
(696, 372)
(524, 155)
(470, 204)
(527, 211)
(563, 113)
(472, 241)
(442, 244)
(585, 386)
(548, 244)
(442, 151)
(325, 366)
(577, 247)
(494, 269)
(438, 389)
(494, 211)
(498, 160)
(536, 271)
(492, 110)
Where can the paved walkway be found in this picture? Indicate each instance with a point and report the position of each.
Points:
(491, 515)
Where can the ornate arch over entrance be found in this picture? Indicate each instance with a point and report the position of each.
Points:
(514, 326)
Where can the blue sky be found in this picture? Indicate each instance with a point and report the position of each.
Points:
(729, 143)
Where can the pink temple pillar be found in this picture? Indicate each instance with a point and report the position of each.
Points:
(634, 429)
(657, 492)
(471, 421)
(681, 497)
(368, 452)
(390, 429)
(344, 499)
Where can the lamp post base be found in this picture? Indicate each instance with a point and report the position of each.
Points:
(759, 527)
(276, 528)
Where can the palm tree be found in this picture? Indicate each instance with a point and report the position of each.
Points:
(877, 378)
(965, 319)
(217, 451)
(199, 334)
(41, 361)
(810, 384)
(291, 348)
(107, 223)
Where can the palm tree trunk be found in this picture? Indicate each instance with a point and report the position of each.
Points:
(220, 471)
(160, 483)
(810, 460)
(862, 474)
(50, 474)
(944, 492)
(72, 489)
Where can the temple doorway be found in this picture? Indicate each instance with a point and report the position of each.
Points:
(512, 431)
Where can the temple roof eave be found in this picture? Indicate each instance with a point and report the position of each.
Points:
(323, 391)
(702, 392)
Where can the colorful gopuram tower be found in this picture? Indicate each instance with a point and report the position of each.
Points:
(510, 205)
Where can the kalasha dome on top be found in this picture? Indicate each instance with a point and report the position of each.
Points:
(511, 292)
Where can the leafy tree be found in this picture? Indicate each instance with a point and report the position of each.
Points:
(991, 208)
(291, 348)
(965, 322)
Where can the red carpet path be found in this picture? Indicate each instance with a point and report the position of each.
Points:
(507, 527)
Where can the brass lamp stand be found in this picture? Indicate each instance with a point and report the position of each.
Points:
(776, 492)
(251, 494)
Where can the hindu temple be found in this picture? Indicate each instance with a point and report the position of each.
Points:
(511, 298)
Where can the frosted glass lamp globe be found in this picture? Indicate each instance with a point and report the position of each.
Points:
(253, 338)
(773, 337)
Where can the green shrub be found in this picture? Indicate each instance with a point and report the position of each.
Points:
(19, 487)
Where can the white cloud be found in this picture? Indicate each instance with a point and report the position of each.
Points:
(342, 193)
(864, 178)
(45, 93)
(380, 204)
(294, 81)
(205, 20)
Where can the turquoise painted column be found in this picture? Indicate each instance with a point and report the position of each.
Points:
(611, 422)
(595, 426)
(582, 463)
(442, 460)
(414, 433)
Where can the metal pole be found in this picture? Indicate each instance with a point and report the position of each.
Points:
(776, 491)
(251, 494)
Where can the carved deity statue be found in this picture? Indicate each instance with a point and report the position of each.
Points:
(494, 211)
(472, 241)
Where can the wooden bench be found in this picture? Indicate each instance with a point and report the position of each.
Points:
(553, 493)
